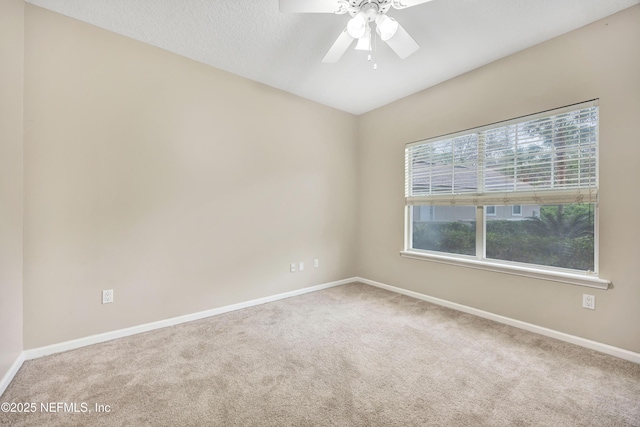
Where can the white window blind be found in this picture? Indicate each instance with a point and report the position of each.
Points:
(546, 158)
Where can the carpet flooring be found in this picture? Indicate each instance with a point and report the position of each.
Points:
(352, 355)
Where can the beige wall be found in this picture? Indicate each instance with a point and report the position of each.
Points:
(11, 68)
(602, 61)
(185, 188)
(181, 187)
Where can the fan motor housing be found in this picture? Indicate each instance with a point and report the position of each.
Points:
(372, 8)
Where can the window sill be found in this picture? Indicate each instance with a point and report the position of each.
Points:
(536, 273)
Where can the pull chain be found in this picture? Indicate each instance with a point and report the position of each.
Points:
(375, 51)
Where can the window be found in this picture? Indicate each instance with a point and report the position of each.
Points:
(452, 230)
(563, 237)
(517, 196)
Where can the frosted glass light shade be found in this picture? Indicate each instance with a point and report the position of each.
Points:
(357, 26)
(386, 27)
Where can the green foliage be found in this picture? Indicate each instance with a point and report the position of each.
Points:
(567, 221)
(567, 210)
(562, 237)
(553, 251)
(451, 237)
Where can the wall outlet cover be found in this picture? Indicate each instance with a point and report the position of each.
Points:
(589, 301)
(107, 296)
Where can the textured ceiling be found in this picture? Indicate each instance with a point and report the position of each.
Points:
(251, 38)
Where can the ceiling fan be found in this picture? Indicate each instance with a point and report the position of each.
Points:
(363, 13)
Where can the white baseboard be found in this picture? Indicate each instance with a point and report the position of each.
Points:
(108, 336)
(13, 370)
(583, 342)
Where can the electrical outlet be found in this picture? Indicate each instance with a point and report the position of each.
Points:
(292, 267)
(316, 263)
(107, 296)
(589, 301)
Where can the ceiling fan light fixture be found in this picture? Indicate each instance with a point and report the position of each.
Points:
(364, 42)
(357, 26)
(386, 27)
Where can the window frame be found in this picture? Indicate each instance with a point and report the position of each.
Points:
(479, 261)
(513, 212)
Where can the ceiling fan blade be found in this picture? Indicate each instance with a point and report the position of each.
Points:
(310, 6)
(402, 43)
(403, 4)
(338, 48)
